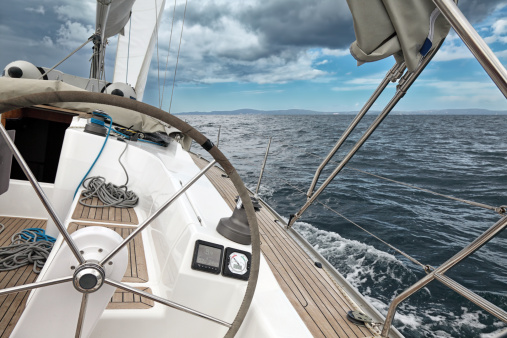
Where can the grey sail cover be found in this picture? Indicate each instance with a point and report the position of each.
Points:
(406, 29)
(117, 17)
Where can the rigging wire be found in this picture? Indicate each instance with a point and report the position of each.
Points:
(178, 57)
(501, 209)
(426, 268)
(68, 56)
(158, 62)
(168, 52)
(128, 50)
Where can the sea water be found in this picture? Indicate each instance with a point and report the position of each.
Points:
(462, 156)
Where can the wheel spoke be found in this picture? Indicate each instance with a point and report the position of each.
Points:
(42, 196)
(82, 310)
(166, 302)
(36, 285)
(156, 213)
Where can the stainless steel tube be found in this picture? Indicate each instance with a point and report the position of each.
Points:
(473, 297)
(467, 251)
(166, 302)
(82, 312)
(156, 213)
(475, 43)
(406, 81)
(42, 196)
(396, 70)
(35, 285)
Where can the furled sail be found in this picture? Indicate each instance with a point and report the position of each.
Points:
(407, 29)
(134, 51)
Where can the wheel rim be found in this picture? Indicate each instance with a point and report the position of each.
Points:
(185, 128)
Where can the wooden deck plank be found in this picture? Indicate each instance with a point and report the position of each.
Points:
(104, 214)
(316, 298)
(137, 271)
(12, 305)
(126, 300)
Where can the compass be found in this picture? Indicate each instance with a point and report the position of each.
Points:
(236, 264)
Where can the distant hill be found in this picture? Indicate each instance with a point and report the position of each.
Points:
(472, 111)
(260, 112)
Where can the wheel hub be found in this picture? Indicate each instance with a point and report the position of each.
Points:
(88, 278)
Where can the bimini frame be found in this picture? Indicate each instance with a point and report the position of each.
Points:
(498, 74)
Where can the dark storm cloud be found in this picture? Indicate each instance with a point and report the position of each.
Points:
(282, 25)
(302, 23)
(477, 10)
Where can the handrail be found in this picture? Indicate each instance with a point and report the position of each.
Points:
(475, 43)
(392, 76)
(404, 84)
(473, 297)
(498, 74)
(438, 273)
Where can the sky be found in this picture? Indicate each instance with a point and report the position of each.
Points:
(266, 55)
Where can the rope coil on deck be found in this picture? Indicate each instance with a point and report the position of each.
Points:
(109, 194)
(29, 246)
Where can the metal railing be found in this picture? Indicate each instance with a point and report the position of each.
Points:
(439, 272)
(404, 84)
(498, 74)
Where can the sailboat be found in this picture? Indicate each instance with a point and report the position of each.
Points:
(164, 243)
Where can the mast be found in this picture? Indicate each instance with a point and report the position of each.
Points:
(99, 39)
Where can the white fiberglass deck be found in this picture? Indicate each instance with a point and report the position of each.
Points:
(321, 303)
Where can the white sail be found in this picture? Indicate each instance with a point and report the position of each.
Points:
(134, 51)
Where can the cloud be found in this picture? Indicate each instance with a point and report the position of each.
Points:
(500, 27)
(336, 52)
(262, 42)
(72, 34)
(83, 11)
(465, 93)
(39, 10)
(477, 11)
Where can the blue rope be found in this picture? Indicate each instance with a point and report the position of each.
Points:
(36, 235)
(139, 139)
(100, 152)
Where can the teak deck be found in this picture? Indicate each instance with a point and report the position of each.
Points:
(314, 295)
(136, 269)
(106, 214)
(12, 306)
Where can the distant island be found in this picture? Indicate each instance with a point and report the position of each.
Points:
(312, 112)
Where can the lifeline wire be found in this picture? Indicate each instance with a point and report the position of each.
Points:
(168, 51)
(109, 194)
(501, 209)
(426, 268)
(27, 246)
(178, 57)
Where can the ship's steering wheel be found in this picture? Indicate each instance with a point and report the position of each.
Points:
(83, 96)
